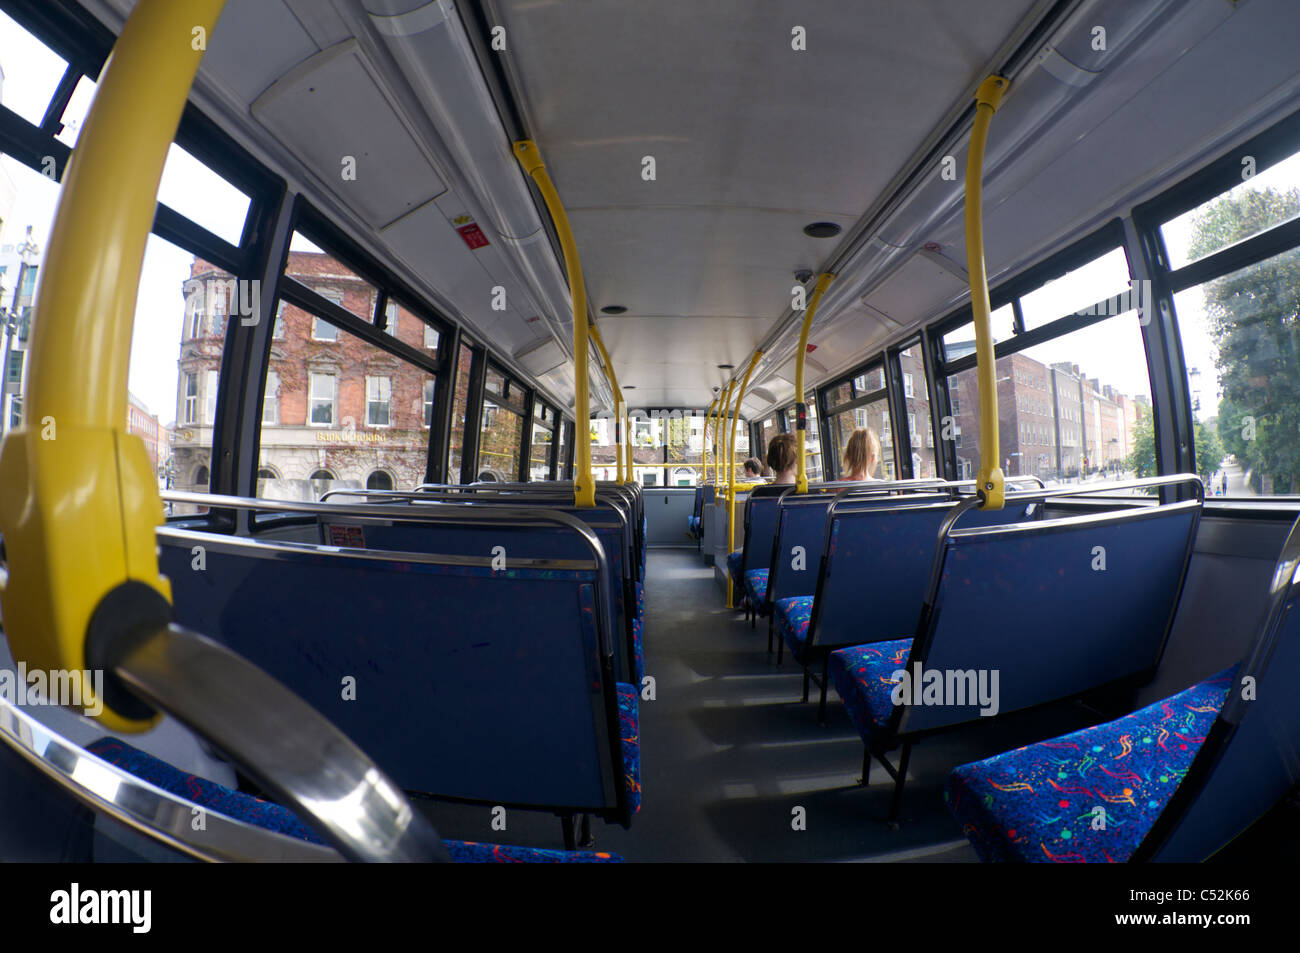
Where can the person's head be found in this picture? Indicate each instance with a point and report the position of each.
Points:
(782, 457)
(753, 468)
(861, 454)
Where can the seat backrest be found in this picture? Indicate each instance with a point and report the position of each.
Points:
(797, 545)
(530, 542)
(1251, 756)
(760, 529)
(460, 681)
(1043, 610)
(876, 566)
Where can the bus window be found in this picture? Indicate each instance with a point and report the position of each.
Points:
(1074, 408)
(339, 413)
(460, 405)
(1256, 205)
(182, 314)
(28, 91)
(539, 453)
(501, 428)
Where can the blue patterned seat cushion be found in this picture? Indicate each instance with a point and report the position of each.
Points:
(1039, 803)
(629, 724)
(864, 677)
(792, 618)
(756, 586)
(274, 817)
(734, 562)
(639, 589)
(471, 852)
(638, 654)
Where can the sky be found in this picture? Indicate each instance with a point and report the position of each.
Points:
(1110, 351)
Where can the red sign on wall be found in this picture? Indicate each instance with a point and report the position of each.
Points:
(473, 235)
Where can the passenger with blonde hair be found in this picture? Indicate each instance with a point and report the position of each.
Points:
(861, 455)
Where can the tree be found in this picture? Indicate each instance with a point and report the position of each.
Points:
(1254, 317)
(1142, 459)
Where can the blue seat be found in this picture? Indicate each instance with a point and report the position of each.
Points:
(1090, 796)
(520, 659)
(1229, 756)
(761, 510)
(534, 542)
(266, 814)
(875, 565)
(1109, 624)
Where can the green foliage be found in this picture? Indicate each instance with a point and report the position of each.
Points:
(1142, 460)
(1254, 317)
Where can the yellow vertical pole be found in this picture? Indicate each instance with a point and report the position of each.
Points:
(704, 444)
(79, 499)
(801, 408)
(584, 485)
(731, 482)
(989, 483)
(621, 435)
(631, 469)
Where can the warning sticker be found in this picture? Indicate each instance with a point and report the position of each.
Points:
(473, 235)
(353, 536)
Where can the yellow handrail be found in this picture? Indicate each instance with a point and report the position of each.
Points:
(584, 487)
(631, 474)
(801, 408)
(79, 499)
(989, 483)
(731, 477)
(705, 445)
(620, 418)
(720, 445)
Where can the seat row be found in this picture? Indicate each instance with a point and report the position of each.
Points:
(926, 613)
(482, 644)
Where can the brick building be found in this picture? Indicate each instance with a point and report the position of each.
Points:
(337, 411)
(1054, 421)
(143, 424)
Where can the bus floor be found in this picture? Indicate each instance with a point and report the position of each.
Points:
(730, 755)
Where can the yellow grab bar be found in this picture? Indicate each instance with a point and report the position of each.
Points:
(800, 407)
(720, 445)
(712, 410)
(79, 499)
(631, 473)
(731, 480)
(584, 487)
(620, 418)
(989, 482)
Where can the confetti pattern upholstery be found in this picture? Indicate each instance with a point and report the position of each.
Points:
(1090, 796)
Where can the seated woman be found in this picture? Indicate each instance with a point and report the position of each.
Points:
(861, 455)
(783, 459)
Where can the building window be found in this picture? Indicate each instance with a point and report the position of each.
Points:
(390, 315)
(322, 400)
(907, 386)
(278, 332)
(202, 477)
(379, 392)
(323, 330)
(911, 425)
(428, 404)
(210, 399)
(379, 480)
(956, 402)
(271, 399)
(956, 433)
(430, 337)
(320, 481)
(191, 398)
